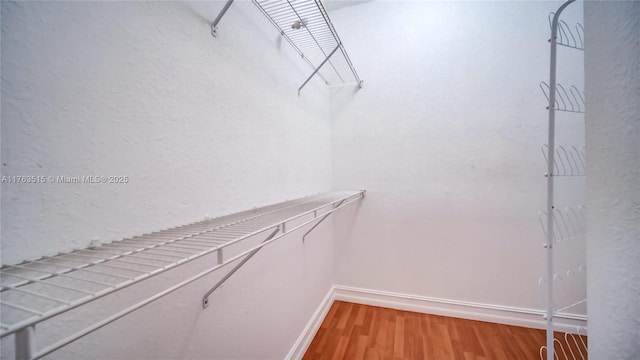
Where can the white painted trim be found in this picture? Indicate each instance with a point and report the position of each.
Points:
(461, 309)
(305, 338)
(500, 314)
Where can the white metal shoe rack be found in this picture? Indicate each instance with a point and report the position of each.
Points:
(306, 26)
(563, 226)
(37, 290)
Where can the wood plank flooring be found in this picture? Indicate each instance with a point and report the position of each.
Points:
(354, 331)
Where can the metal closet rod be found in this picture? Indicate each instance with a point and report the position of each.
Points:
(28, 332)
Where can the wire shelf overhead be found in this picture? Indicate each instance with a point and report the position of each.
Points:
(36, 290)
(306, 26)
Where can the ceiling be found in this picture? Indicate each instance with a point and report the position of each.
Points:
(337, 4)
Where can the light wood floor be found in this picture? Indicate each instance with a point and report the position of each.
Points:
(353, 331)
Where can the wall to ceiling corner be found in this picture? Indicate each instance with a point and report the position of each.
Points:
(445, 136)
(200, 126)
(331, 5)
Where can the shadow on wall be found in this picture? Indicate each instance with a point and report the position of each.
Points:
(343, 226)
(198, 14)
(341, 96)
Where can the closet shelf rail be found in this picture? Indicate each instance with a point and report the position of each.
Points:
(306, 26)
(36, 290)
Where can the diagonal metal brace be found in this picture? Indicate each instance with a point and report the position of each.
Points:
(205, 298)
(318, 68)
(25, 343)
(321, 220)
(214, 24)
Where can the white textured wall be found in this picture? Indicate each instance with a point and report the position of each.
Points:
(201, 126)
(445, 136)
(612, 75)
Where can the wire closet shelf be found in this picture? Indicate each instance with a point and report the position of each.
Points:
(37, 290)
(306, 26)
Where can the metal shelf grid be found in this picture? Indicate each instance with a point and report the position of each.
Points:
(36, 290)
(306, 26)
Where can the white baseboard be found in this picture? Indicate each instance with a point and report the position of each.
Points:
(461, 309)
(305, 338)
(428, 305)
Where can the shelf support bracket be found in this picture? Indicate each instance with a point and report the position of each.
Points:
(25, 343)
(214, 24)
(321, 220)
(318, 68)
(205, 298)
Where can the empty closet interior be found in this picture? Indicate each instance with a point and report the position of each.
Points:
(205, 180)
